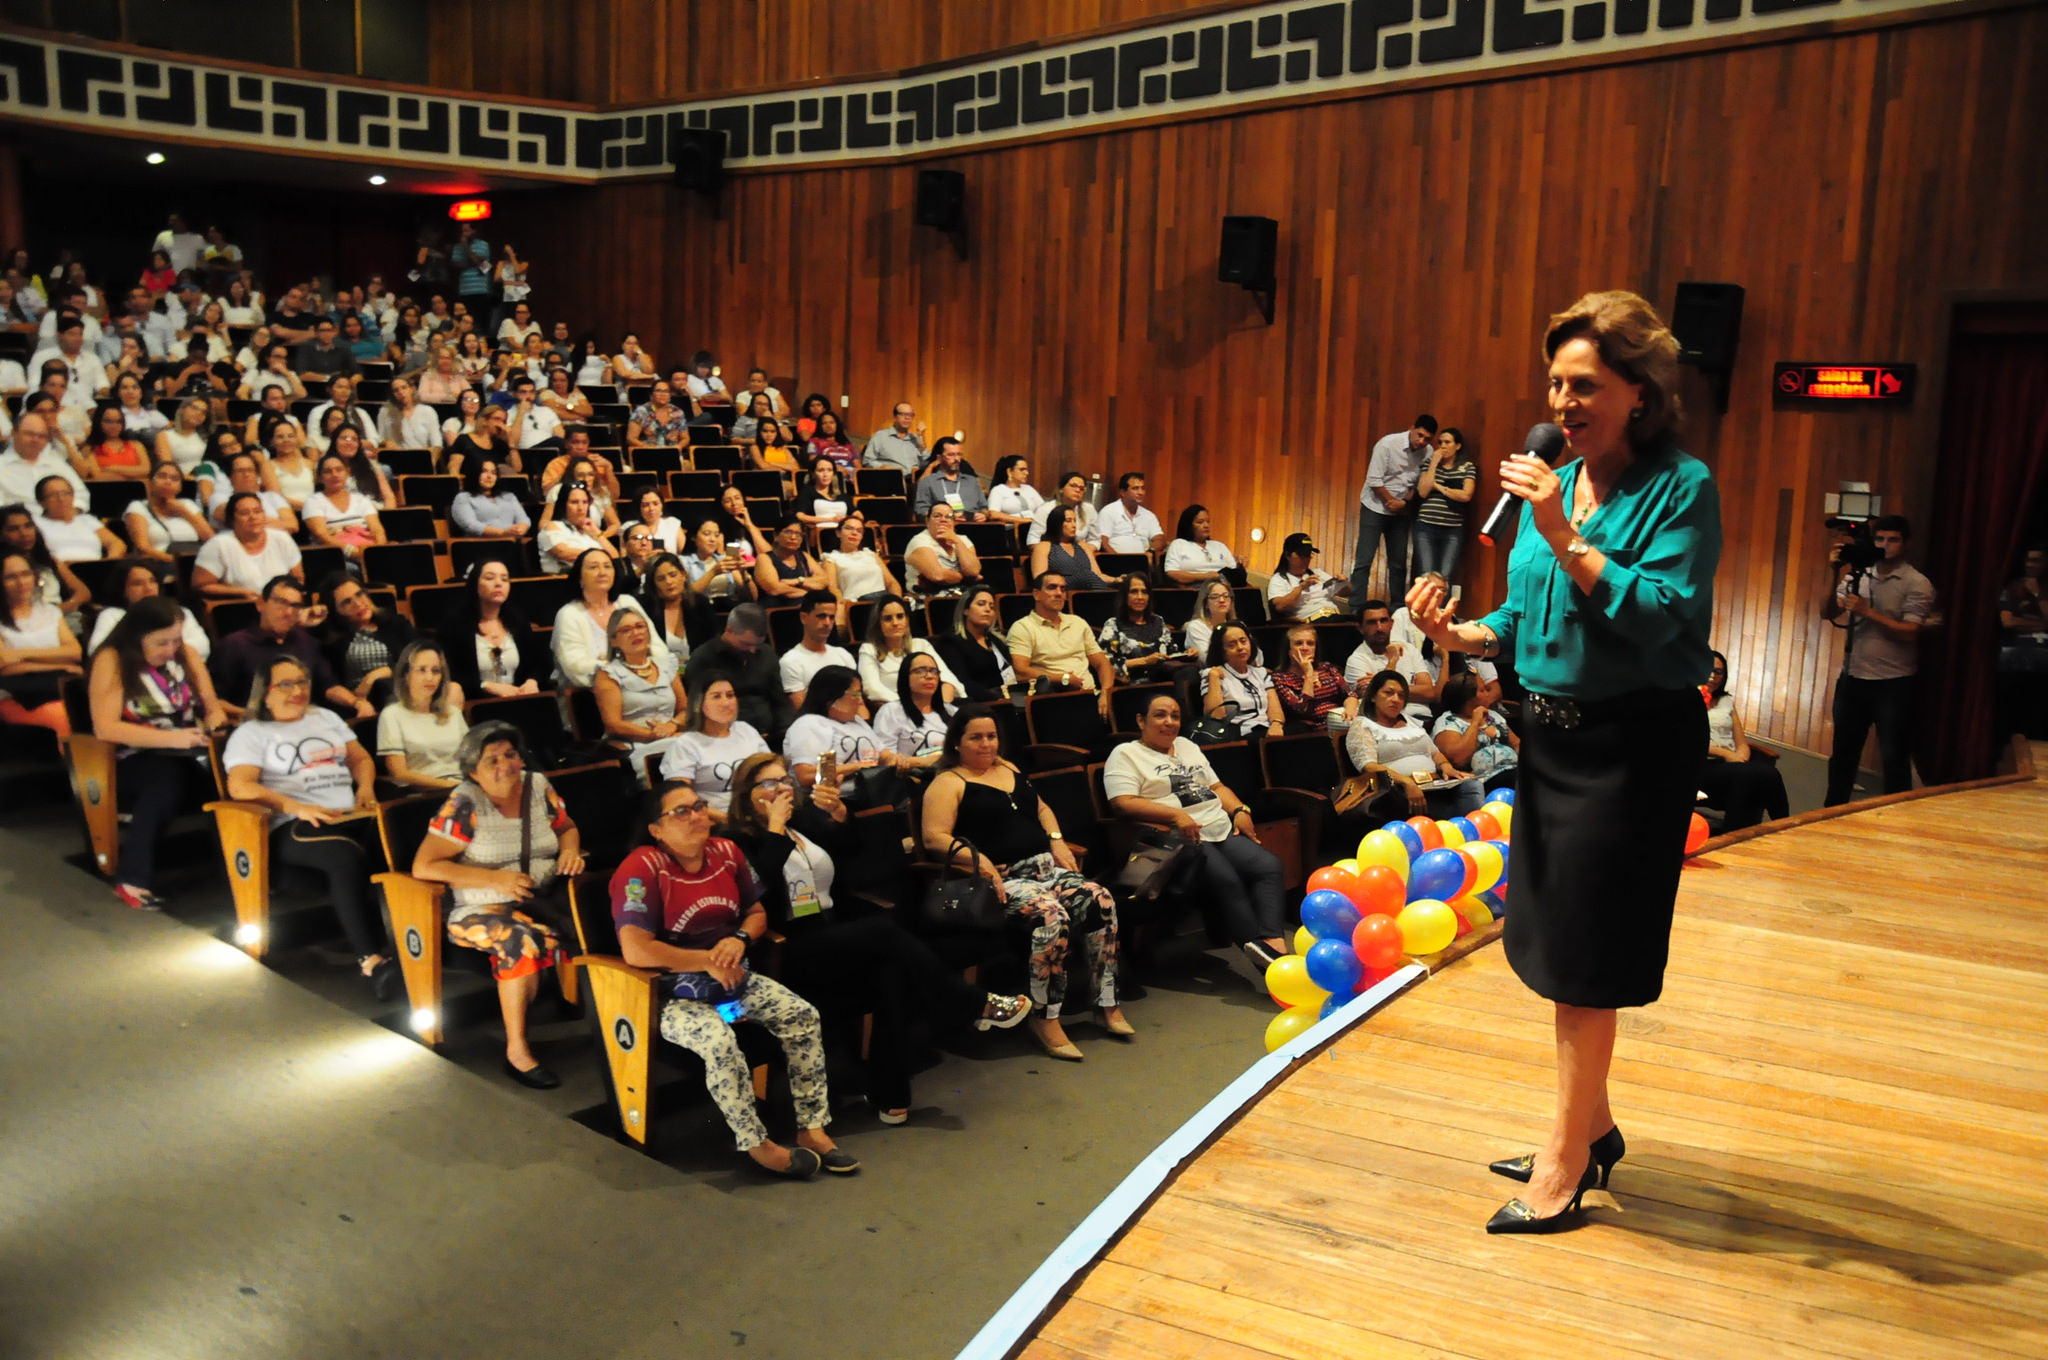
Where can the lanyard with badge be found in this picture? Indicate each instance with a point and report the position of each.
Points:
(804, 901)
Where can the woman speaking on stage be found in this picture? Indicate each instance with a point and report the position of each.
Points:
(1609, 600)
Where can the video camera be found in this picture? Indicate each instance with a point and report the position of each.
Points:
(1851, 511)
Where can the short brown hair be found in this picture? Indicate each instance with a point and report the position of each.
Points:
(1633, 341)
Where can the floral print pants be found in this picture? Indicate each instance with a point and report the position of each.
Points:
(794, 1023)
(1057, 902)
(519, 946)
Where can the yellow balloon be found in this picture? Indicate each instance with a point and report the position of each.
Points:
(1453, 838)
(1303, 940)
(1288, 1024)
(1381, 847)
(1475, 912)
(1487, 859)
(1349, 866)
(1426, 927)
(1504, 813)
(1287, 978)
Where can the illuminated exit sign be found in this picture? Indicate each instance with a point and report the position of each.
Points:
(470, 210)
(1844, 382)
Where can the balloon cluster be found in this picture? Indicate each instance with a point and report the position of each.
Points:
(1413, 887)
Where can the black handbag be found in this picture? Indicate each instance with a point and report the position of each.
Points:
(1158, 852)
(1209, 731)
(964, 903)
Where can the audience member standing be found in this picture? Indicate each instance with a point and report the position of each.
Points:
(1887, 607)
(1386, 504)
(1449, 481)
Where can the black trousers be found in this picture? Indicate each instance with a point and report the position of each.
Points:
(345, 854)
(155, 786)
(873, 966)
(1747, 790)
(1860, 704)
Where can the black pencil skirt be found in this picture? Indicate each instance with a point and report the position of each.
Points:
(1601, 813)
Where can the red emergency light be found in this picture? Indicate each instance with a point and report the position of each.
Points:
(470, 210)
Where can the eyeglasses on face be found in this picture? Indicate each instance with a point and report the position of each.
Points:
(689, 809)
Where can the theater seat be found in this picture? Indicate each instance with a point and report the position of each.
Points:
(417, 915)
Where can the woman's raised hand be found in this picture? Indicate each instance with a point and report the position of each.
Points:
(1430, 609)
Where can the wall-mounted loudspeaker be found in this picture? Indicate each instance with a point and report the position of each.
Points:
(942, 200)
(699, 156)
(1707, 320)
(1248, 250)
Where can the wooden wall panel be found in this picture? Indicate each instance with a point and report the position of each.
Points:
(664, 50)
(539, 49)
(1850, 183)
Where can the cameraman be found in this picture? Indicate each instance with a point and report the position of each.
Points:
(1887, 602)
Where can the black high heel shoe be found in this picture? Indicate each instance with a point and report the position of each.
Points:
(1608, 1149)
(1517, 1217)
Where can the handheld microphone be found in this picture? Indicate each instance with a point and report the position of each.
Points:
(1544, 441)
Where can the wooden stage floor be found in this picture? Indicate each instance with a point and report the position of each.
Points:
(1837, 1120)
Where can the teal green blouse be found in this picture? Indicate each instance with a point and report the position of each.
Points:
(1646, 623)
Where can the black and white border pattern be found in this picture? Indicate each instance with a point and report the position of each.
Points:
(1226, 62)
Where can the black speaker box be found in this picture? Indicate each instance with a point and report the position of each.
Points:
(942, 199)
(699, 156)
(1248, 250)
(1707, 320)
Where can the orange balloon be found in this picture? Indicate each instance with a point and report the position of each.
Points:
(1380, 890)
(1340, 881)
(1483, 822)
(1377, 942)
(1696, 835)
(1432, 834)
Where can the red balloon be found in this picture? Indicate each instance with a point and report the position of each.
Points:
(1340, 881)
(1377, 942)
(1485, 825)
(1696, 835)
(1464, 926)
(1373, 976)
(1471, 874)
(1432, 835)
(1380, 890)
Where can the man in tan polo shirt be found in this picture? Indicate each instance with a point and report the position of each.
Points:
(1055, 651)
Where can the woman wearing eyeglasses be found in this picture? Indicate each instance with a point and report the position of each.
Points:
(689, 906)
(849, 967)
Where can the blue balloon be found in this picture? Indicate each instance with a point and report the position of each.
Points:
(1410, 838)
(1464, 824)
(1437, 875)
(1502, 846)
(1334, 967)
(1329, 915)
(1496, 900)
(1502, 796)
(1331, 1005)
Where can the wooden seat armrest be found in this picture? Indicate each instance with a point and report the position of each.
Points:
(612, 963)
(1052, 755)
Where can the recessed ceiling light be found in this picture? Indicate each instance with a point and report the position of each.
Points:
(155, 158)
(376, 179)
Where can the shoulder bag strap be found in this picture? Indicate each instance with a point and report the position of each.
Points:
(526, 824)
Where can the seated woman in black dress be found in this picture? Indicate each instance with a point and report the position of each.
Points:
(1018, 847)
(975, 650)
(845, 963)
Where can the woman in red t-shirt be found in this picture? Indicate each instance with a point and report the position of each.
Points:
(689, 906)
(113, 452)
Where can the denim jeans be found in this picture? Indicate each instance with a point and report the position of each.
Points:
(1436, 549)
(1372, 528)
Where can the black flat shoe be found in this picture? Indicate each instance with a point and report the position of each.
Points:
(385, 979)
(1517, 1217)
(803, 1164)
(1608, 1149)
(536, 1078)
(838, 1163)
